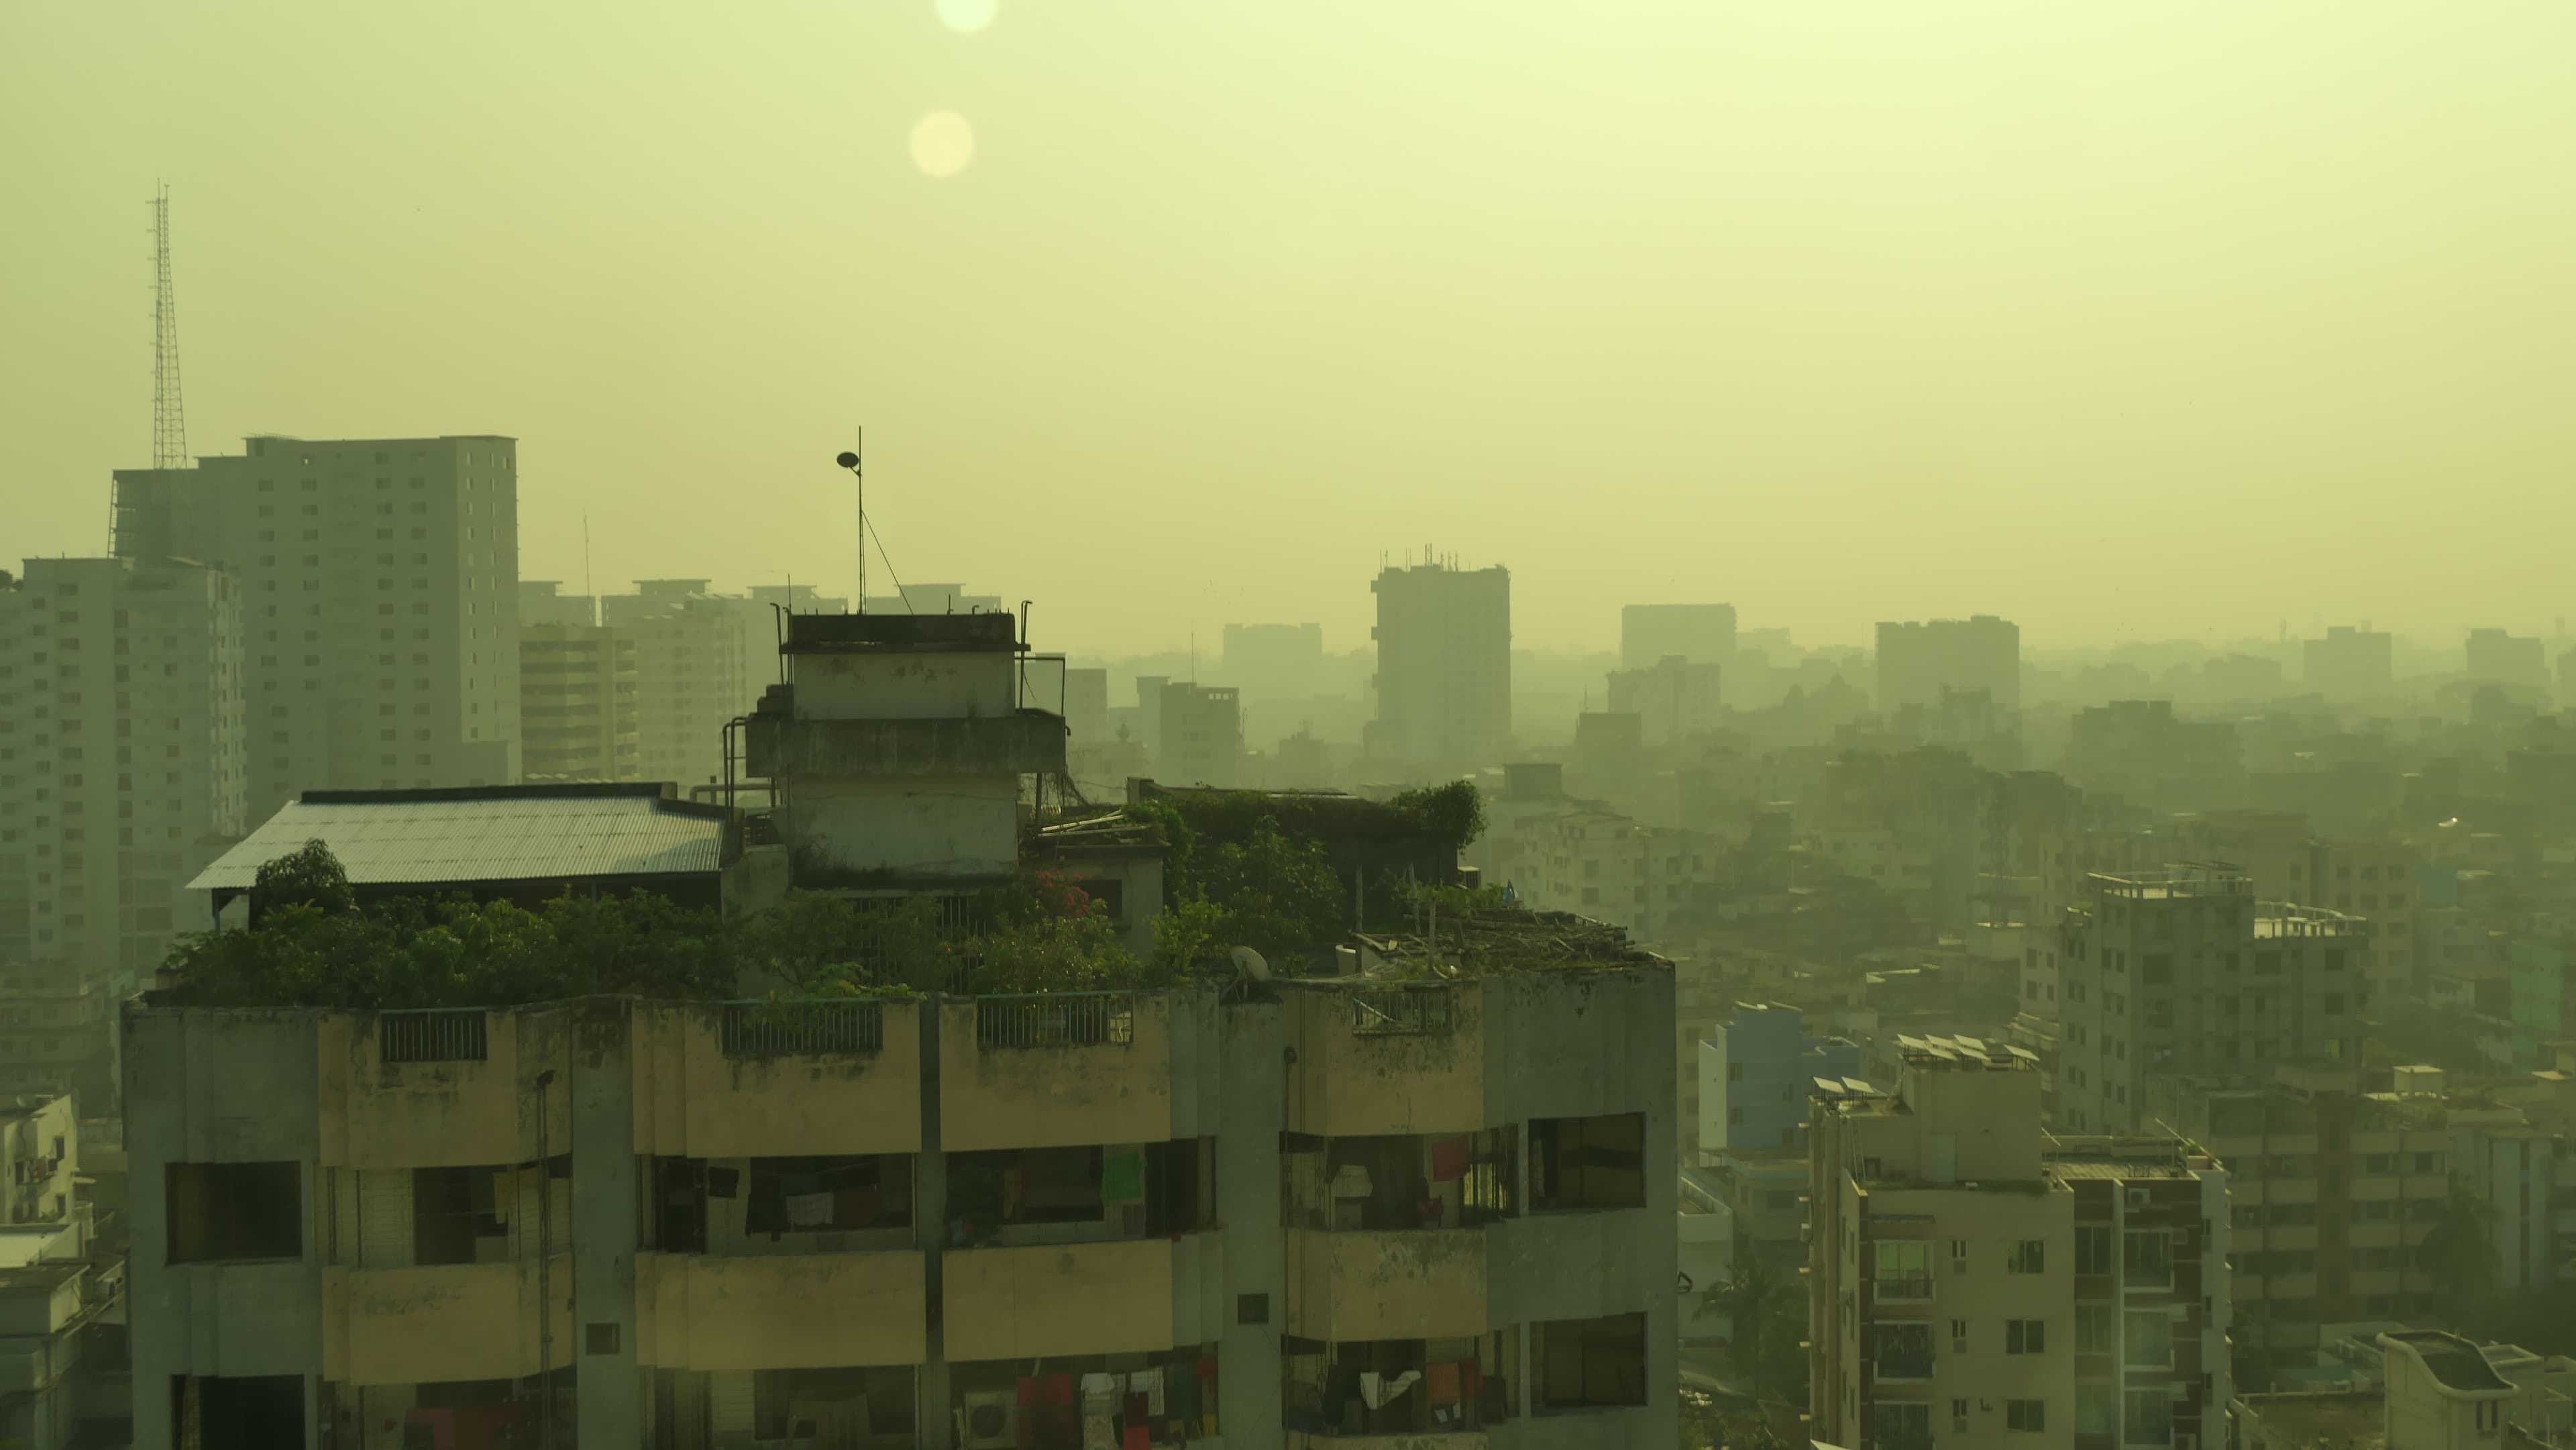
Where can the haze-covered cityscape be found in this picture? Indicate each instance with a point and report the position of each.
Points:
(1376, 837)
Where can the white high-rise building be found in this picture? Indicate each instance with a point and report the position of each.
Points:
(690, 675)
(121, 775)
(1444, 665)
(379, 602)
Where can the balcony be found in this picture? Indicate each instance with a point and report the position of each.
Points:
(780, 1311)
(448, 1322)
(1055, 1070)
(1373, 1061)
(423, 1089)
(1057, 1299)
(1904, 1352)
(778, 1079)
(1914, 1287)
(1396, 1284)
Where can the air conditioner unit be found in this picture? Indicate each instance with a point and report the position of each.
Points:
(991, 1420)
(2137, 1198)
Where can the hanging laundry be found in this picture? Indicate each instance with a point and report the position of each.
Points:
(1442, 1384)
(1138, 1438)
(723, 1182)
(1122, 1177)
(809, 1210)
(1448, 1160)
(1056, 1389)
(1099, 1432)
(1028, 1391)
(1149, 1383)
(1377, 1391)
(1100, 1394)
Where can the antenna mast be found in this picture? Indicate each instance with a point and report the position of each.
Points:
(169, 417)
(858, 472)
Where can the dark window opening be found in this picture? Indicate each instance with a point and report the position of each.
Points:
(451, 1208)
(1397, 1386)
(244, 1412)
(1590, 1363)
(222, 1211)
(1588, 1162)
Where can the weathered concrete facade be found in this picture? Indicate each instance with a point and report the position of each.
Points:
(342, 1220)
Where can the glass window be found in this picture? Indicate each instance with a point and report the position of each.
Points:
(2025, 1336)
(2026, 1414)
(2149, 1339)
(2096, 1328)
(2093, 1251)
(1904, 1269)
(2028, 1256)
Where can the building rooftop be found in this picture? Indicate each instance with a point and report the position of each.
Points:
(2455, 1363)
(2181, 879)
(490, 833)
(2354, 1418)
(1508, 939)
(901, 633)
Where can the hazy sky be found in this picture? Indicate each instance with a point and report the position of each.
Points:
(2118, 319)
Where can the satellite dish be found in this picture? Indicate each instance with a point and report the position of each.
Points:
(847, 460)
(1249, 962)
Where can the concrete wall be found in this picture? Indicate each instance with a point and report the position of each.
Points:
(786, 1312)
(921, 825)
(1345, 1084)
(1056, 1097)
(1412, 1284)
(902, 686)
(1060, 1299)
(451, 1322)
(217, 1087)
(377, 1114)
(691, 1101)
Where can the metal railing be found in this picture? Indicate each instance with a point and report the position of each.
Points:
(436, 1035)
(1388, 1011)
(1902, 1286)
(806, 1028)
(1056, 1019)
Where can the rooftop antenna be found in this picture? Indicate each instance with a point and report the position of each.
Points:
(585, 569)
(850, 461)
(169, 418)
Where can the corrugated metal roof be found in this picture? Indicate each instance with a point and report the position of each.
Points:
(437, 837)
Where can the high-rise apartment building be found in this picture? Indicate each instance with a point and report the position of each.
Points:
(1279, 660)
(2497, 657)
(1919, 660)
(2348, 664)
(2331, 1192)
(1673, 699)
(2180, 972)
(121, 774)
(690, 671)
(579, 691)
(942, 1222)
(379, 602)
(1973, 1280)
(1202, 734)
(1444, 665)
(1702, 634)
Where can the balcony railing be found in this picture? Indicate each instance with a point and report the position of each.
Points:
(1389, 1011)
(1902, 1286)
(432, 1036)
(1904, 1365)
(803, 1028)
(1056, 1019)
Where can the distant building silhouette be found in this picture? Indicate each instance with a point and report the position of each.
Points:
(1702, 634)
(1444, 664)
(1918, 660)
(379, 597)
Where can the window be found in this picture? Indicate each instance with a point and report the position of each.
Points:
(1735, 1072)
(601, 1338)
(2149, 1339)
(2025, 1336)
(1588, 1162)
(228, 1211)
(1958, 1336)
(2146, 1259)
(1589, 1363)
(2149, 1418)
(2028, 1256)
(2096, 1328)
(1904, 1269)
(2026, 1415)
(2097, 1409)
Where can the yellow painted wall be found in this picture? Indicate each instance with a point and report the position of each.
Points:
(434, 1114)
(1407, 1284)
(1055, 1097)
(452, 1322)
(779, 1311)
(1346, 1084)
(1058, 1299)
(1473, 1440)
(691, 1101)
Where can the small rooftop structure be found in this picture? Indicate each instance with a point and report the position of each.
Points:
(1508, 939)
(2454, 1363)
(394, 842)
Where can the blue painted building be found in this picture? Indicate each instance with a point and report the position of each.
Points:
(1756, 1074)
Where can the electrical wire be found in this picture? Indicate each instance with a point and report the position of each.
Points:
(889, 563)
